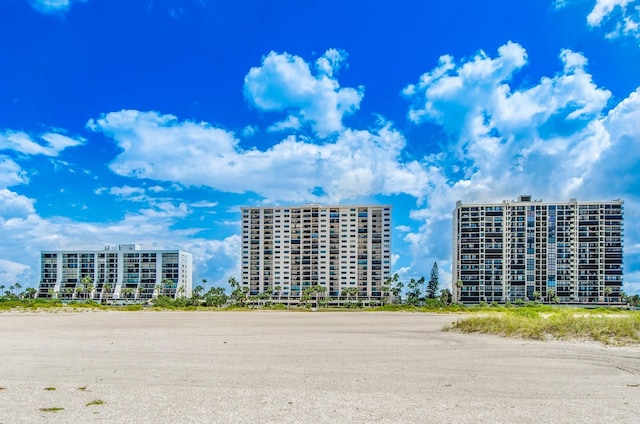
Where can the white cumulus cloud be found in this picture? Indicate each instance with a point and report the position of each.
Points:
(128, 192)
(10, 173)
(50, 144)
(357, 163)
(13, 272)
(619, 17)
(286, 83)
(150, 227)
(53, 6)
(13, 205)
(554, 139)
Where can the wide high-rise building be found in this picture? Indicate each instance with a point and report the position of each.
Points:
(112, 274)
(566, 252)
(286, 249)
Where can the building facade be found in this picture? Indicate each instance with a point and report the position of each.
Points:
(114, 274)
(288, 249)
(568, 252)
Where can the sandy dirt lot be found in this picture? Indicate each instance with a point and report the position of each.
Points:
(300, 367)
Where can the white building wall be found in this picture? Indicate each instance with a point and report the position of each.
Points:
(311, 260)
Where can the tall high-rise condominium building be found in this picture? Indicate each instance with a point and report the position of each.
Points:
(289, 248)
(123, 273)
(567, 252)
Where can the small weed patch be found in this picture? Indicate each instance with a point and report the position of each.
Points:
(54, 409)
(49, 388)
(96, 402)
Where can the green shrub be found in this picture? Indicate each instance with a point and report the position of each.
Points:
(432, 303)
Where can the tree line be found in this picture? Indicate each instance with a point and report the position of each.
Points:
(416, 292)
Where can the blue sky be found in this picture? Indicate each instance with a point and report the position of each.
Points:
(154, 121)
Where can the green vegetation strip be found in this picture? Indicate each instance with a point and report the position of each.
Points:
(51, 304)
(527, 323)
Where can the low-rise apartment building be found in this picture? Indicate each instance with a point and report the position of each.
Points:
(126, 272)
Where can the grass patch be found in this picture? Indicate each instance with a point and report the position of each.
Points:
(54, 409)
(83, 388)
(85, 304)
(96, 402)
(532, 323)
(135, 307)
(49, 388)
(8, 304)
(47, 304)
(434, 307)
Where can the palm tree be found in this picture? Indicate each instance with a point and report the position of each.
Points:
(387, 287)
(239, 294)
(215, 297)
(306, 296)
(204, 285)
(350, 291)
(397, 291)
(106, 288)
(551, 294)
(18, 286)
(319, 290)
(140, 291)
(166, 283)
(198, 291)
(31, 292)
(268, 293)
(607, 295)
(233, 283)
(385, 291)
(458, 290)
(127, 292)
(278, 290)
(445, 296)
(89, 288)
(86, 283)
(536, 295)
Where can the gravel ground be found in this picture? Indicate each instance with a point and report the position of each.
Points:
(300, 367)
